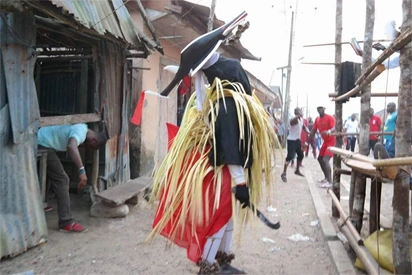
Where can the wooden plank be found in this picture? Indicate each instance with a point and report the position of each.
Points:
(375, 205)
(173, 8)
(121, 193)
(69, 119)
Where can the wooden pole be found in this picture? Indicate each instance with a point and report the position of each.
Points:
(363, 253)
(147, 21)
(401, 246)
(211, 16)
(375, 205)
(398, 43)
(372, 94)
(360, 180)
(338, 105)
(398, 161)
(344, 218)
(289, 68)
(342, 43)
(357, 134)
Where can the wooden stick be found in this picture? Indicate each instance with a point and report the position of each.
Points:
(349, 154)
(370, 77)
(318, 63)
(363, 254)
(376, 163)
(344, 218)
(69, 119)
(393, 162)
(357, 134)
(344, 171)
(372, 94)
(403, 39)
(341, 43)
(147, 20)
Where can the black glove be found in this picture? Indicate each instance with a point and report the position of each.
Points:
(242, 195)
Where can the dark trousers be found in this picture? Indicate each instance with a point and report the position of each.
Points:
(59, 183)
(372, 143)
(294, 147)
(351, 142)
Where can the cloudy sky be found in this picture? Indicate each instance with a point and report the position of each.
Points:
(268, 37)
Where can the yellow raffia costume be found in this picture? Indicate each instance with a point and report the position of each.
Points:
(183, 178)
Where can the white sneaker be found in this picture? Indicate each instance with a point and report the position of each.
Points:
(323, 181)
(326, 185)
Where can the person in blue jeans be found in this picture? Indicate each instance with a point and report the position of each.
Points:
(390, 123)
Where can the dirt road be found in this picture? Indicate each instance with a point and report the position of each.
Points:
(116, 246)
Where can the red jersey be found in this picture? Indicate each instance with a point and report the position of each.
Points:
(375, 123)
(325, 123)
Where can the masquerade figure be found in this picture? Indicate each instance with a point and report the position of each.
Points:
(225, 139)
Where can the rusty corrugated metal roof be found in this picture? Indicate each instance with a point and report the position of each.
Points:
(104, 16)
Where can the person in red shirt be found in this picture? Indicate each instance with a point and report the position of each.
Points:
(326, 125)
(375, 124)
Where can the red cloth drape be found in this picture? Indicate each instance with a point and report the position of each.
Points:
(213, 220)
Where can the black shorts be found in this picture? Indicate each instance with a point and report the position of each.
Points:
(294, 147)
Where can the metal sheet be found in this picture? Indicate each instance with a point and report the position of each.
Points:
(18, 65)
(102, 16)
(22, 220)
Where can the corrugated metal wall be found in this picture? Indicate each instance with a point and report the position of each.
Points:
(114, 95)
(22, 220)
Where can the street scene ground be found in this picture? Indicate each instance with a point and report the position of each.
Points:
(116, 246)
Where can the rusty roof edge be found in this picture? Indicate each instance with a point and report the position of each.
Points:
(259, 85)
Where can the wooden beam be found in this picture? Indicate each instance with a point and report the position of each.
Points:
(372, 94)
(357, 134)
(318, 63)
(341, 43)
(403, 39)
(63, 58)
(147, 21)
(69, 119)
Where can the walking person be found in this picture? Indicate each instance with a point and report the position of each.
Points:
(294, 145)
(351, 127)
(326, 125)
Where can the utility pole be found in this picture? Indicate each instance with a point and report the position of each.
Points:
(287, 94)
(211, 16)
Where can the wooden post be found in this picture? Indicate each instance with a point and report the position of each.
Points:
(375, 205)
(360, 180)
(352, 191)
(338, 106)
(287, 92)
(211, 16)
(400, 250)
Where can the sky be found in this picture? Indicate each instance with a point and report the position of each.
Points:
(268, 38)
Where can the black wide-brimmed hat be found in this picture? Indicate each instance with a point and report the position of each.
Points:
(196, 54)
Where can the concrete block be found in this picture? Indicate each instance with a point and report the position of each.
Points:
(101, 210)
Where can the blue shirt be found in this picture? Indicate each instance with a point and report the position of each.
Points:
(57, 137)
(281, 129)
(390, 124)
